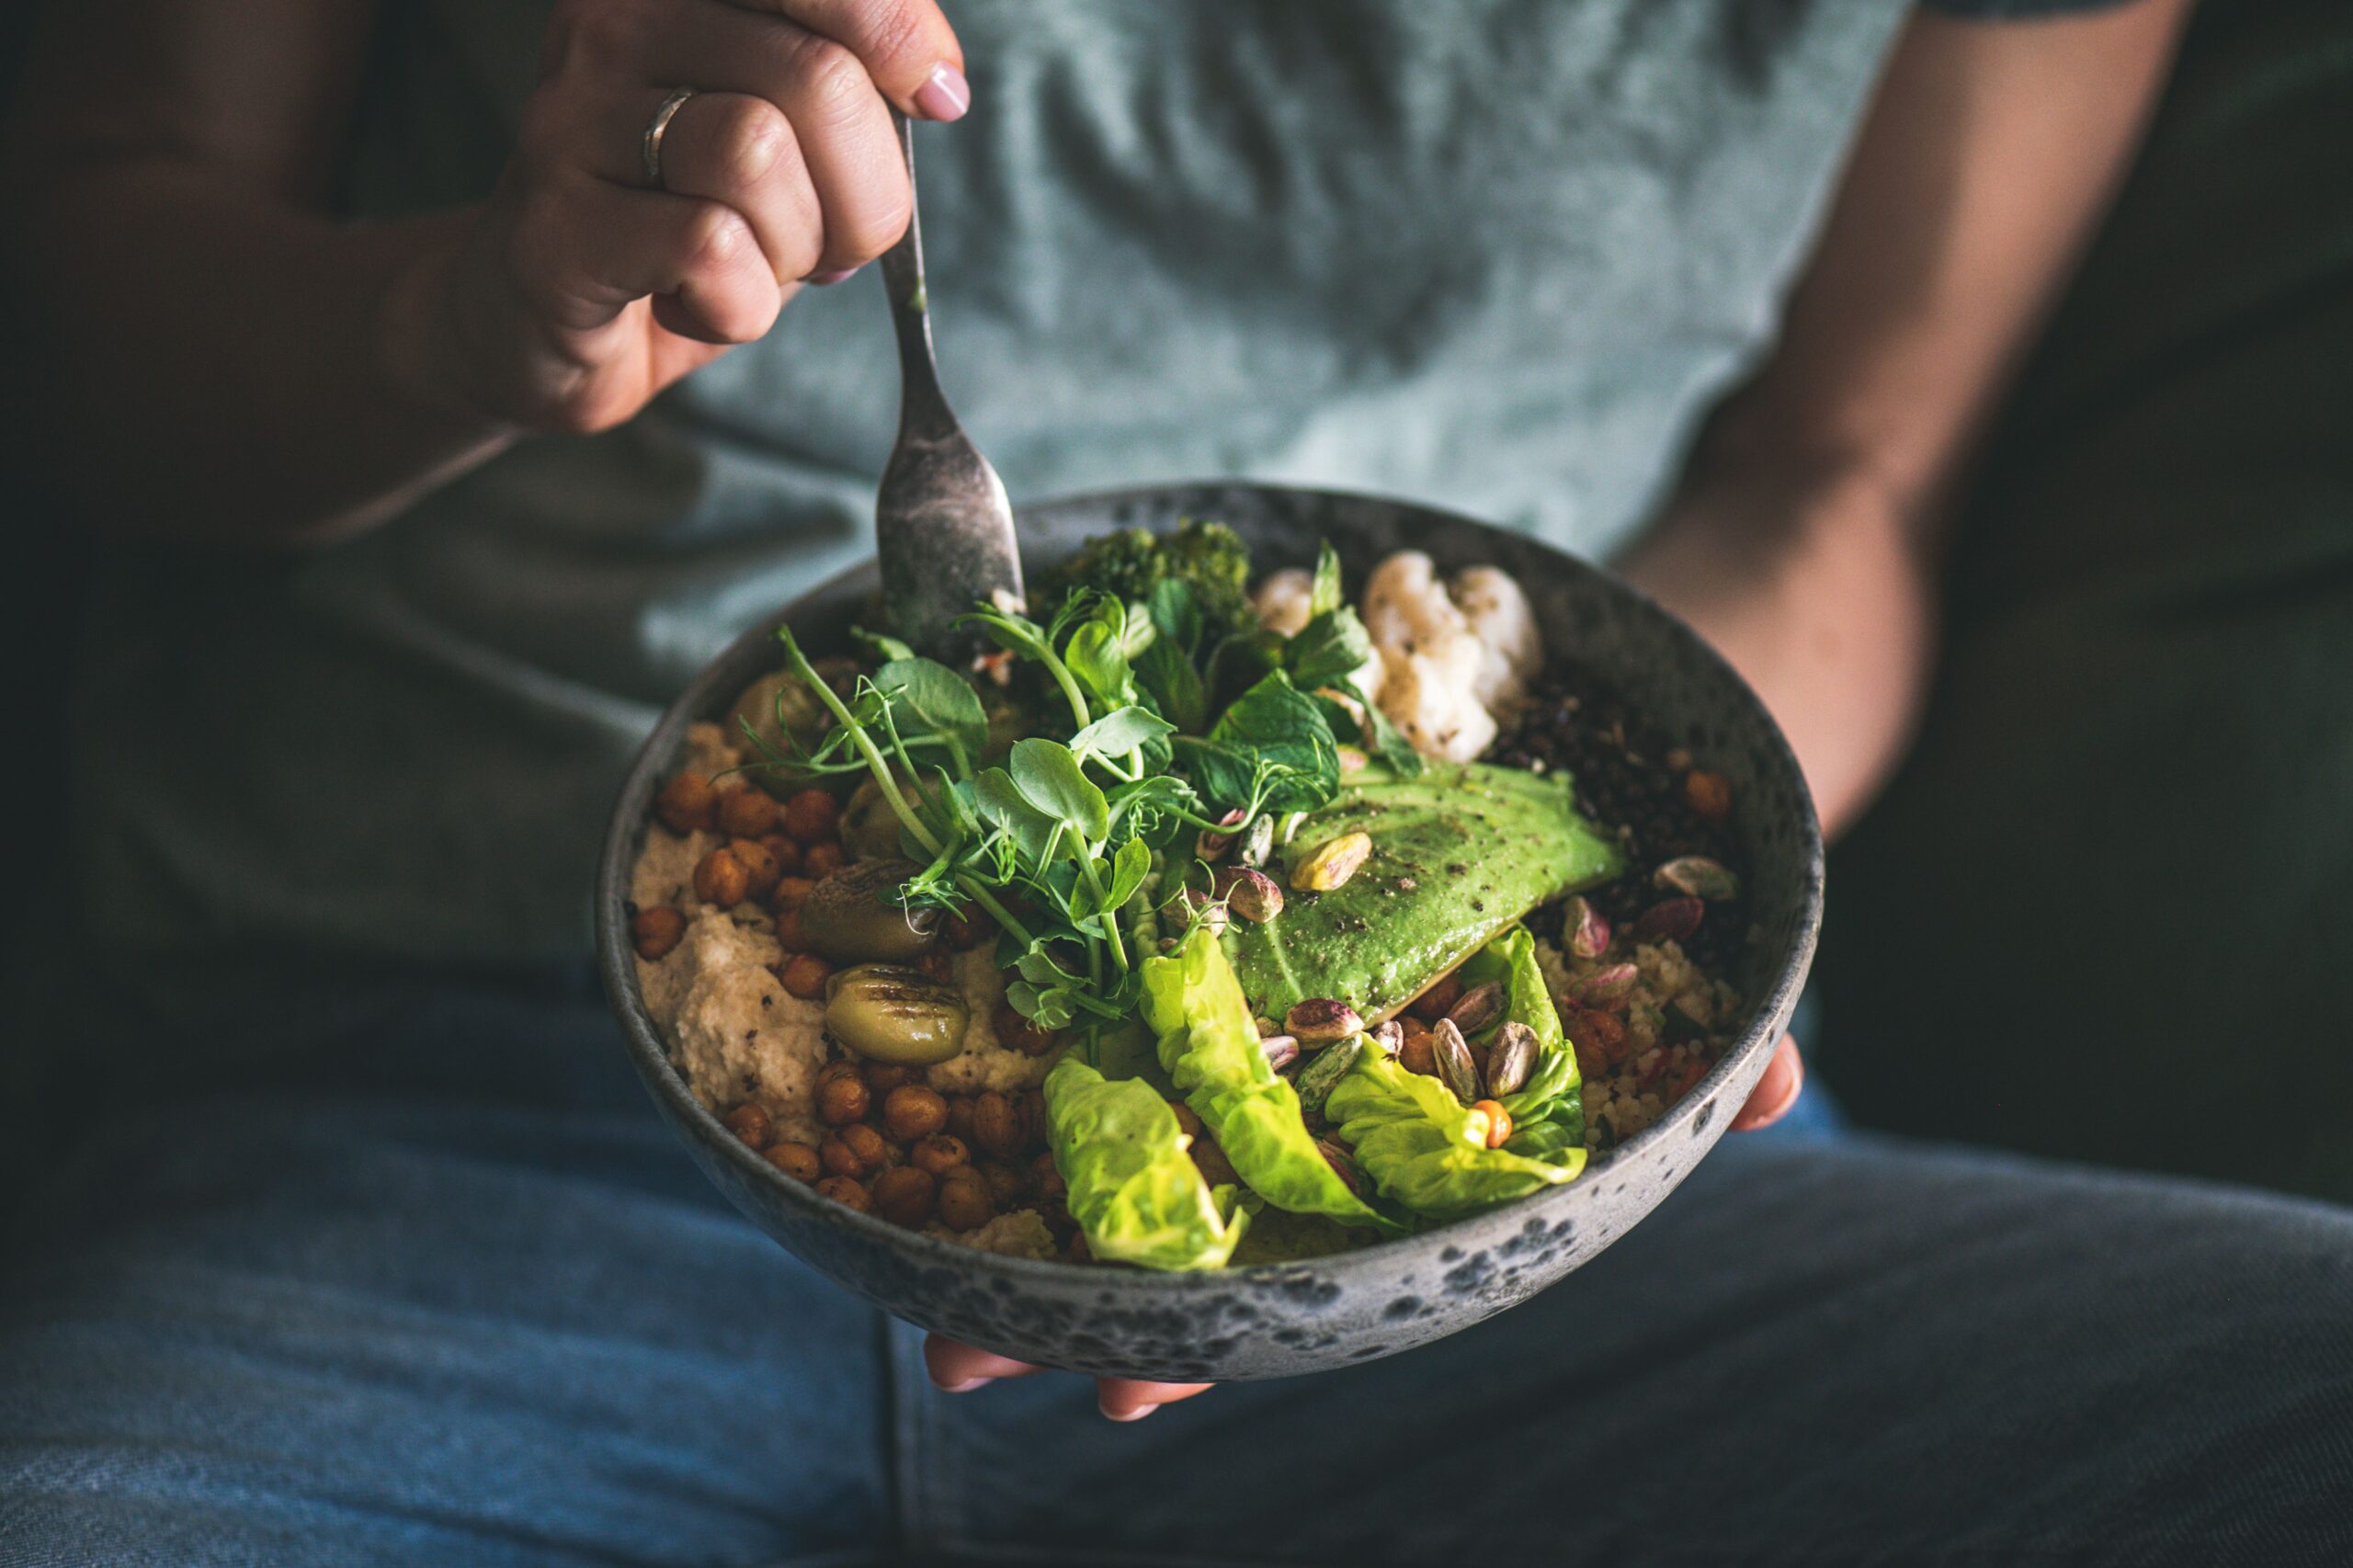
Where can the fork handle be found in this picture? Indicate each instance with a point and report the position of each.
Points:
(923, 407)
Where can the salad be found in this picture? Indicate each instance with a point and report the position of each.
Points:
(1195, 923)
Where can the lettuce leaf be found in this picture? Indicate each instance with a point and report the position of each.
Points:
(1547, 1111)
(1133, 1190)
(1427, 1151)
(1209, 1045)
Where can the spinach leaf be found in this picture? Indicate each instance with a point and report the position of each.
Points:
(1273, 749)
(1168, 675)
(1328, 650)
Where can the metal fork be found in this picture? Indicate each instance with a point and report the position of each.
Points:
(942, 525)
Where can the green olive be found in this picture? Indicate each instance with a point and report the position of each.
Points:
(888, 1014)
(806, 717)
(870, 827)
(853, 915)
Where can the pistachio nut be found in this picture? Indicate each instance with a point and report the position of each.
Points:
(1698, 877)
(1389, 1034)
(1353, 762)
(1317, 1079)
(1331, 863)
(1253, 895)
(1202, 909)
(1343, 1165)
(1583, 930)
(1511, 1059)
(1609, 986)
(1281, 1049)
(1213, 843)
(886, 1013)
(1258, 841)
(1320, 1020)
(1477, 1007)
(1670, 919)
(1455, 1068)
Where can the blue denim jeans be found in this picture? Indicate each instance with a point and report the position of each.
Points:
(450, 1294)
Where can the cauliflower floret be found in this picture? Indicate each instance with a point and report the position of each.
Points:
(1281, 601)
(1499, 617)
(1454, 654)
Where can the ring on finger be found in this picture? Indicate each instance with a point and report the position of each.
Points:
(649, 147)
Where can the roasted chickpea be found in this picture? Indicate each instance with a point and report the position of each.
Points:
(1215, 1168)
(842, 1100)
(912, 1111)
(746, 812)
(788, 929)
(867, 1145)
(791, 890)
(966, 930)
(786, 852)
(1419, 1053)
(1078, 1252)
(848, 1191)
(997, 1125)
(1018, 1033)
(721, 878)
(750, 1122)
(1187, 1121)
(796, 1160)
(965, 1203)
(657, 932)
(904, 1194)
(940, 1153)
(1498, 1123)
(812, 816)
(760, 869)
(1033, 1118)
(884, 1076)
(1438, 1001)
(840, 1067)
(1007, 1186)
(805, 975)
(937, 963)
(686, 804)
(1046, 1179)
(822, 860)
(960, 1116)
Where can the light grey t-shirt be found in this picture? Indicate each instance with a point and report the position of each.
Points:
(1497, 255)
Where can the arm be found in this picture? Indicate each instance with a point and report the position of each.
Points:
(1803, 540)
(220, 361)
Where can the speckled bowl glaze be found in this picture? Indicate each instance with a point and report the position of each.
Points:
(1277, 1320)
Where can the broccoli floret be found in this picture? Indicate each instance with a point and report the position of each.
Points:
(1210, 556)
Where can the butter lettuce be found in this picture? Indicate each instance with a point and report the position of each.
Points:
(1208, 1047)
(1547, 1111)
(1427, 1151)
(1133, 1190)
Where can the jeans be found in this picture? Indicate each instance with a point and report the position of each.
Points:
(450, 1294)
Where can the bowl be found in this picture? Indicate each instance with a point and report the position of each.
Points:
(1277, 1320)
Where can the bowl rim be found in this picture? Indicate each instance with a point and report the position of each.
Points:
(616, 957)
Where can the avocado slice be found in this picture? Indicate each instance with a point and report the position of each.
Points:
(1458, 854)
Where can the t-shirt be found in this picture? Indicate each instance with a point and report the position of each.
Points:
(1497, 255)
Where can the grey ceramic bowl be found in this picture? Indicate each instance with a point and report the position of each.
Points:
(1295, 1317)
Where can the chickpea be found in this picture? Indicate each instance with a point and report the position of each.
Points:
(657, 932)
(750, 1122)
(1046, 1179)
(842, 1100)
(1215, 1168)
(1438, 1001)
(822, 860)
(789, 935)
(1033, 1118)
(867, 1144)
(1187, 1121)
(1419, 1054)
(884, 1076)
(786, 853)
(686, 804)
(1018, 1033)
(746, 812)
(1498, 1123)
(966, 930)
(940, 1153)
(965, 1203)
(721, 878)
(796, 1160)
(937, 963)
(960, 1116)
(997, 1125)
(904, 1194)
(848, 1192)
(1079, 1251)
(806, 976)
(912, 1111)
(841, 1066)
(792, 889)
(1005, 1185)
(760, 869)
(812, 816)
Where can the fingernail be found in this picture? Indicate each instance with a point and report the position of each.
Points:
(945, 95)
(967, 1386)
(831, 275)
(1138, 1414)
